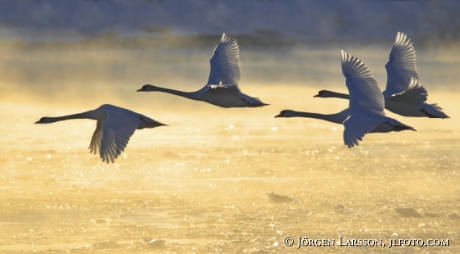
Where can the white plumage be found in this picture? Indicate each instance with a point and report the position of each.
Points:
(366, 102)
(114, 128)
(403, 94)
(365, 111)
(222, 88)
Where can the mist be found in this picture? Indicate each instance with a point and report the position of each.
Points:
(233, 180)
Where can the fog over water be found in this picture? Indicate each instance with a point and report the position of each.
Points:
(217, 180)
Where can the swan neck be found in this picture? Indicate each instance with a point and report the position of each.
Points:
(339, 95)
(335, 118)
(172, 91)
(84, 115)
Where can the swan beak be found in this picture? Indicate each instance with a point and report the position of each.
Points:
(279, 115)
(37, 122)
(140, 90)
(317, 96)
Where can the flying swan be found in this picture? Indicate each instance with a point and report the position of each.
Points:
(115, 126)
(222, 87)
(403, 95)
(365, 112)
(366, 102)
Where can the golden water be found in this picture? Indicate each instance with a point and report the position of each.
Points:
(200, 185)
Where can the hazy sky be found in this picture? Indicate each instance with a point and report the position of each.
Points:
(41, 19)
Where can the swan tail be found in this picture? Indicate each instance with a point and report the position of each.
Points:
(433, 111)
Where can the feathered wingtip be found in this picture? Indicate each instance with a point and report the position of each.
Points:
(344, 56)
(350, 143)
(353, 67)
(226, 38)
(401, 39)
(348, 59)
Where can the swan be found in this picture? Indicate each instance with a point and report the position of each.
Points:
(338, 118)
(115, 125)
(334, 118)
(222, 88)
(366, 102)
(365, 111)
(403, 94)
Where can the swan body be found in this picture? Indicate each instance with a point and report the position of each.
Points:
(222, 88)
(403, 94)
(114, 128)
(366, 103)
(338, 118)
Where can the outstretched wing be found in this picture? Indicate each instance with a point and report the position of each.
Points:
(365, 94)
(356, 126)
(95, 144)
(415, 94)
(401, 67)
(225, 62)
(116, 131)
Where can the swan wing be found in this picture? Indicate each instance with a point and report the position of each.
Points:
(95, 144)
(415, 94)
(116, 131)
(401, 66)
(225, 62)
(223, 89)
(365, 94)
(356, 126)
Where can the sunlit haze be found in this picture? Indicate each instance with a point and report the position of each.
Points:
(218, 180)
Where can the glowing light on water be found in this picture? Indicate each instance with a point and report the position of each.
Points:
(125, 155)
(331, 149)
(88, 123)
(334, 128)
(274, 129)
(231, 127)
(29, 158)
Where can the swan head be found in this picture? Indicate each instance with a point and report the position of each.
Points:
(44, 120)
(146, 88)
(285, 113)
(324, 94)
